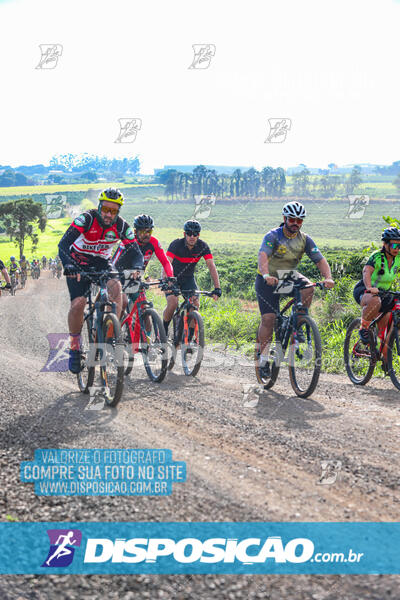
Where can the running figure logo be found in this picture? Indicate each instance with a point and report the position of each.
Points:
(278, 129)
(57, 360)
(203, 54)
(62, 547)
(50, 55)
(128, 130)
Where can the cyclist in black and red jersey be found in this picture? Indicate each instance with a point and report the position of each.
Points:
(184, 254)
(87, 244)
(148, 244)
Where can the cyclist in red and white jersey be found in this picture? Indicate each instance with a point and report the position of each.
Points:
(87, 244)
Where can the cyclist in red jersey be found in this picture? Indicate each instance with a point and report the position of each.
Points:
(149, 245)
(86, 244)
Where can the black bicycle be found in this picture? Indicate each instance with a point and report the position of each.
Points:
(101, 341)
(188, 333)
(297, 342)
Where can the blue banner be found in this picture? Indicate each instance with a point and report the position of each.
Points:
(173, 548)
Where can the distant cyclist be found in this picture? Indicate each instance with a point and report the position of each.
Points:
(44, 262)
(14, 268)
(282, 249)
(148, 244)
(184, 254)
(87, 244)
(4, 272)
(372, 291)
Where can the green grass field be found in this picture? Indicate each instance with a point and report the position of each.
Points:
(29, 190)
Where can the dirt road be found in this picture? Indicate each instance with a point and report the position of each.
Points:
(255, 458)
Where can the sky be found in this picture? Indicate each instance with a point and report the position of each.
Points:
(328, 67)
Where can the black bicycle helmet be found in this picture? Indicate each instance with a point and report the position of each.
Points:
(192, 225)
(143, 222)
(391, 233)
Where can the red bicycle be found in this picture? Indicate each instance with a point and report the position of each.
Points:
(360, 359)
(143, 331)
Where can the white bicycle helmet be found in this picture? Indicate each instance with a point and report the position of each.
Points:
(294, 209)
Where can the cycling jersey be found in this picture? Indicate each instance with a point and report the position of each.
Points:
(185, 260)
(285, 253)
(86, 240)
(153, 246)
(385, 280)
(13, 267)
(23, 265)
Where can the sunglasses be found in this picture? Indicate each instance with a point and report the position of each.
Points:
(394, 245)
(293, 220)
(113, 211)
(192, 233)
(145, 231)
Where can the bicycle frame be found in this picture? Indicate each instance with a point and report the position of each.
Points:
(181, 314)
(394, 319)
(296, 304)
(136, 312)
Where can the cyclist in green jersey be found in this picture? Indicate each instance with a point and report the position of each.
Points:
(378, 275)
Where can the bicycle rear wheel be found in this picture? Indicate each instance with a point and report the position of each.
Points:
(192, 344)
(153, 343)
(112, 360)
(393, 357)
(358, 359)
(86, 376)
(177, 323)
(305, 356)
(274, 363)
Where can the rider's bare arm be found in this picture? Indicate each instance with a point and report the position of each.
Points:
(367, 273)
(6, 275)
(213, 272)
(325, 271)
(263, 267)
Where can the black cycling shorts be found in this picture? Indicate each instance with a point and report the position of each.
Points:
(80, 288)
(386, 298)
(268, 301)
(186, 283)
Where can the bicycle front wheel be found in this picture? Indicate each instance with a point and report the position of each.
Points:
(393, 357)
(128, 351)
(192, 345)
(86, 376)
(112, 360)
(153, 343)
(358, 359)
(305, 356)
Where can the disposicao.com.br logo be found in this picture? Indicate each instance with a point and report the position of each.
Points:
(191, 550)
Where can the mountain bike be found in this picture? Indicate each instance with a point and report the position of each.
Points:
(14, 283)
(297, 342)
(143, 331)
(360, 359)
(101, 341)
(23, 278)
(188, 333)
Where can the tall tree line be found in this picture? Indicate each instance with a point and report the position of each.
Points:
(203, 181)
